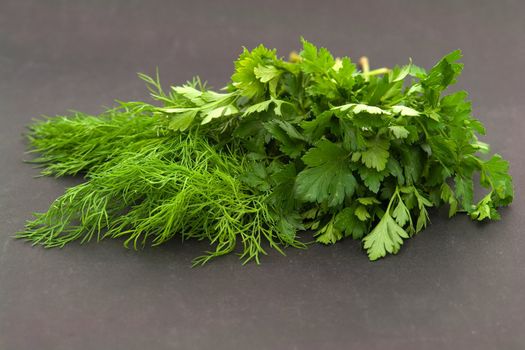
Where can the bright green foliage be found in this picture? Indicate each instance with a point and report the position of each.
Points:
(386, 237)
(312, 144)
(327, 177)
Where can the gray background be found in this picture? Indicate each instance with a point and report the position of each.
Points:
(458, 285)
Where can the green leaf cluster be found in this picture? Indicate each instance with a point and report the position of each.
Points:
(310, 144)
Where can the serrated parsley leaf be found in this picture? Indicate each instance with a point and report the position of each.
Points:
(258, 107)
(190, 93)
(360, 108)
(495, 173)
(400, 73)
(314, 60)
(386, 237)
(266, 73)
(346, 221)
(218, 112)
(401, 213)
(375, 155)
(329, 234)
(372, 178)
(328, 177)
(485, 210)
(399, 132)
(291, 142)
(368, 200)
(445, 71)
(361, 213)
(464, 191)
(183, 120)
(245, 79)
(405, 111)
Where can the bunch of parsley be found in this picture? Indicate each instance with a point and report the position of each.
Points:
(307, 144)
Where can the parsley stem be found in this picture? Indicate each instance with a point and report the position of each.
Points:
(378, 71)
(365, 67)
(365, 64)
(294, 57)
(392, 199)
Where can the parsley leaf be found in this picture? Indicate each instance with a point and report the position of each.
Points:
(375, 155)
(386, 237)
(328, 177)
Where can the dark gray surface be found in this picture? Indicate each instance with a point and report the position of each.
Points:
(458, 285)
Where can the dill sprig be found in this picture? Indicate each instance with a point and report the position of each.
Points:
(148, 185)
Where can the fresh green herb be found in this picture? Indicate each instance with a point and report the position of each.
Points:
(308, 144)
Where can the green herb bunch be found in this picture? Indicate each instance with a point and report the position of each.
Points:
(310, 144)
